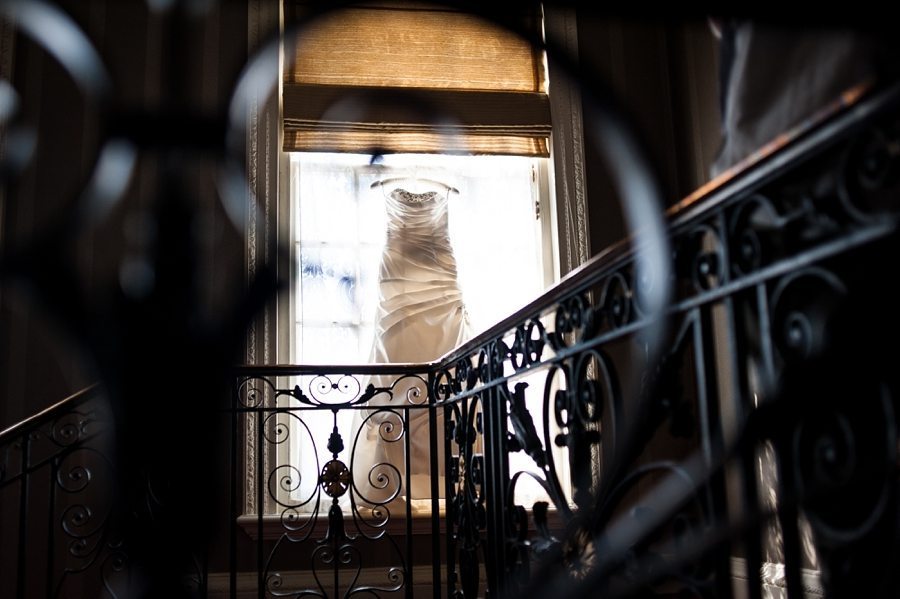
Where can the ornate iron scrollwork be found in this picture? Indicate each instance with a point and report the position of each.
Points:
(335, 478)
(638, 442)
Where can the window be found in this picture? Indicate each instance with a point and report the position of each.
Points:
(318, 117)
(501, 244)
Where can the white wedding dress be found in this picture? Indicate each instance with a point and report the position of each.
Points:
(420, 317)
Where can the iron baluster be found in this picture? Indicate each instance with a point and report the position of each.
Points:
(233, 416)
(260, 501)
(434, 486)
(23, 516)
(51, 526)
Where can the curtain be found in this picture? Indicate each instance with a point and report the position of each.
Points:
(410, 77)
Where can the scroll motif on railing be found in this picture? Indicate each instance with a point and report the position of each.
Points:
(360, 488)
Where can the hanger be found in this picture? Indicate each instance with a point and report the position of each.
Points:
(384, 182)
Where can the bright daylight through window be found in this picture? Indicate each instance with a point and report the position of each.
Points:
(420, 214)
(340, 228)
(501, 244)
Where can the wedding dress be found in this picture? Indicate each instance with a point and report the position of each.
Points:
(420, 317)
(421, 314)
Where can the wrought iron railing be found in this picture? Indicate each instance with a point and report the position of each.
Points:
(739, 436)
(763, 440)
(55, 472)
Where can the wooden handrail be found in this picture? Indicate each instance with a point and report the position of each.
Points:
(829, 125)
(49, 413)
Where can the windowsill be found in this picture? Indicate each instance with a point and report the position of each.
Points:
(421, 522)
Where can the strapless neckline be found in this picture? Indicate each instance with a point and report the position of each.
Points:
(413, 198)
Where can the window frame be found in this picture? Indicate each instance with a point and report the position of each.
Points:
(268, 173)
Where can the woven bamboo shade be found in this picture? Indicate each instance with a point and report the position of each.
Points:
(406, 77)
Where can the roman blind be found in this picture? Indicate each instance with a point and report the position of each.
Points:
(411, 77)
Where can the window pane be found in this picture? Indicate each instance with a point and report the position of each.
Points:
(327, 344)
(496, 237)
(369, 268)
(328, 281)
(328, 207)
(372, 224)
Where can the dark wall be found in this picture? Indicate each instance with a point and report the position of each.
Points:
(664, 75)
(153, 65)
